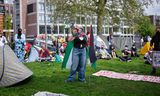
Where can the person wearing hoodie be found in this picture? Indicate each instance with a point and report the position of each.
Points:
(156, 42)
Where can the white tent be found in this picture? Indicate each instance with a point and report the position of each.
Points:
(99, 42)
(34, 55)
(11, 70)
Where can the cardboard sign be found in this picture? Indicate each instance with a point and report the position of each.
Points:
(156, 59)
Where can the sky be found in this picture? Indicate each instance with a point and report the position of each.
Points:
(153, 9)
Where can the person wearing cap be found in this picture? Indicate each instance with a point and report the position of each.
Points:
(156, 42)
(19, 49)
(78, 55)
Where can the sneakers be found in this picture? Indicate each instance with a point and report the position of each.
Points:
(67, 81)
(70, 81)
(84, 81)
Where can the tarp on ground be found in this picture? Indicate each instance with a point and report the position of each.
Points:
(12, 71)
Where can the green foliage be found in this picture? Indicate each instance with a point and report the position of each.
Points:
(48, 76)
(145, 28)
(129, 9)
(7, 22)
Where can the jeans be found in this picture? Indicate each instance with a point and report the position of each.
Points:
(78, 64)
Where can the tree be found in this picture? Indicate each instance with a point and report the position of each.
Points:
(7, 22)
(145, 27)
(7, 25)
(131, 10)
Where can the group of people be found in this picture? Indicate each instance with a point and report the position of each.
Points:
(80, 42)
(104, 53)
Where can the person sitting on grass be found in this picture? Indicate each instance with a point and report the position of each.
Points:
(134, 51)
(125, 54)
(113, 52)
(44, 54)
(103, 53)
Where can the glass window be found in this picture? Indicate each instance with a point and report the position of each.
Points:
(83, 20)
(106, 30)
(61, 29)
(78, 20)
(110, 29)
(41, 7)
(41, 18)
(42, 29)
(88, 20)
(30, 8)
(55, 30)
(125, 31)
(115, 29)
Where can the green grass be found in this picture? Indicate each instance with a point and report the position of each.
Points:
(50, 77)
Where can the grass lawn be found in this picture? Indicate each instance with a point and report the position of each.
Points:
(50, 77)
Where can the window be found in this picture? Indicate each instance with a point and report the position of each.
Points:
(88, 20)
(41, 7)
(83, 20)
(61, 29)
(41, 18)
(1, 9)
(78, 20)
(55, 30)
(115, 29)
(106, 30)
(42, 29)
(30, 8)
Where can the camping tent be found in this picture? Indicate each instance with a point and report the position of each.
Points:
(11, 70)
(99, 42)
(34, 54)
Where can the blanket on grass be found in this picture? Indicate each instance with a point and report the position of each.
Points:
(126, 76)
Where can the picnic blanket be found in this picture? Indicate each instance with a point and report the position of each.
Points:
(127, 76)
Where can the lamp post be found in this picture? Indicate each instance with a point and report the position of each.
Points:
(45, 23)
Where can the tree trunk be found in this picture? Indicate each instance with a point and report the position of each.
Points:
(100, 16)
(99, 25)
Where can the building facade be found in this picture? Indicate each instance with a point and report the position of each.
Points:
(155, 20)
(30, 16)
(20, 14)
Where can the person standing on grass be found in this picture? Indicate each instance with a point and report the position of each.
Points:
(110, 40)
(78, 55)
(3, 39)
(156, 42)
(19, 49)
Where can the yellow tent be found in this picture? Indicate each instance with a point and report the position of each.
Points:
(146, 48)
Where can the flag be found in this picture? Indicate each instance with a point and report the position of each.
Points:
(67, 61)
(92, 55)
